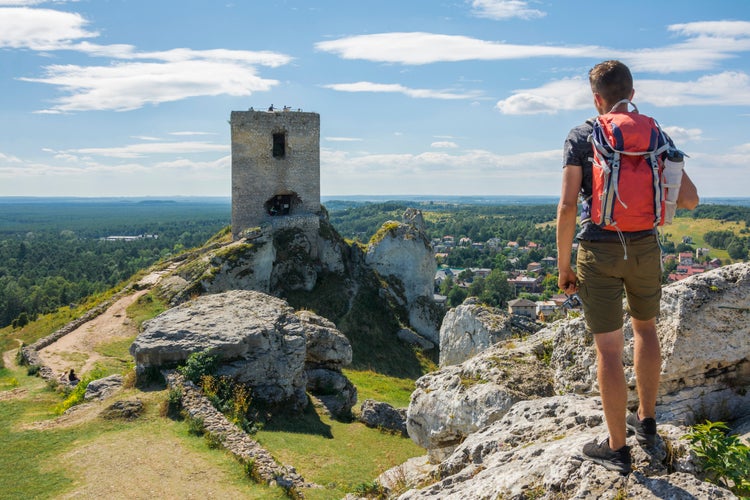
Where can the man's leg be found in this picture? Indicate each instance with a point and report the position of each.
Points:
(612, 386)
(647, 362)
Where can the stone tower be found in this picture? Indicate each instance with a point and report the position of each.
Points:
(275, 168)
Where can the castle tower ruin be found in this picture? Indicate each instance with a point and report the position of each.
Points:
(275, 168)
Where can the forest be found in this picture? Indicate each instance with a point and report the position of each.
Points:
(53, 252)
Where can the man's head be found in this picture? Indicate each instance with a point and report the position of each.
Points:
(611, 82)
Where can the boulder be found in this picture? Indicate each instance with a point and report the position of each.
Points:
(123, 410)
(383, 416)
(103, 387)
(326, 346)
(450, 404)
(409, 336)
(334, 390)
(471, 328)
(258, 339)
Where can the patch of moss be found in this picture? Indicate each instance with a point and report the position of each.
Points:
(388, 228)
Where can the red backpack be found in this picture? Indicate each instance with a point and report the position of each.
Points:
(627, 189)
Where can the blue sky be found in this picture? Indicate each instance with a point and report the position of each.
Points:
(451, 97)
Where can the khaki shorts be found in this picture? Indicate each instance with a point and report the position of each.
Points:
(603, 272)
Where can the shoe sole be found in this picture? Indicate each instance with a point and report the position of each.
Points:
(643, 439)
(622, 469)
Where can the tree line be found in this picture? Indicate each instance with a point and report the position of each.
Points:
(52, 254)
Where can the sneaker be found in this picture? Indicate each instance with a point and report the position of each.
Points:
(644, 430)
(602, 454)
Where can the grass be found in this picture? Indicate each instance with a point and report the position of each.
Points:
(696, 228)
(146, 307)
(156, 456)
(371, 385)
(330, 453)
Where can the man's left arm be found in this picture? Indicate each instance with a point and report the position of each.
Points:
(688, 196)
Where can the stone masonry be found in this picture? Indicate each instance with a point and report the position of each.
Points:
(275, 167)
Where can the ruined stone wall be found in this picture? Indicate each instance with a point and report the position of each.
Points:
(258, 175)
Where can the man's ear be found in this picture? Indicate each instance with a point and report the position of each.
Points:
(599, 103)
(632, 93)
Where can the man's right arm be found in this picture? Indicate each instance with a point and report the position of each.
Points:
(567, 211)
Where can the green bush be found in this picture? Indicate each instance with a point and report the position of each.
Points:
(198, 365)
(724, 458)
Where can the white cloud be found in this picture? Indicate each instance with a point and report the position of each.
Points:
(343, 139)
(706, 44)
(143, 149)
(425, 48)
(558, 95)
(504, 9)
(128, 86)
(146, 138)
(41, 29)
(400, 89)
(9, 158)
(681, 135)
(444, 144)
(189, 132)
(728, 88)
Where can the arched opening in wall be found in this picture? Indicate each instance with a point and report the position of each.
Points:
(283, 204)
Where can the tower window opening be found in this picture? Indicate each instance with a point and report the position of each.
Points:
(279, 145)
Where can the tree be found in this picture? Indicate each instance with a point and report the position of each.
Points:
(497, 291)
(737, 250)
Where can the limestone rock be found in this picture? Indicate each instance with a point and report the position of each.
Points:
(103, 387)
(450, 404)
(534, 451)
(383, 416)
(257, 338)
(469, 329)
(402, 254)
(334, 390)
(411, 337)
(704, 327)
(325, 345)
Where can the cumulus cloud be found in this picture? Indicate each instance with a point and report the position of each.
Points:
(128, 86)
(135, 78)
(444, 144)
(682, 135)
(504, 9)
(41, 29)
(8, 158)
(727, 88)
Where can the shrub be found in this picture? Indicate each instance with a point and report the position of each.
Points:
(197, 365)
(724, 458)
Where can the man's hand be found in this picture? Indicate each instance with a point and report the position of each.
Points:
(568, 281)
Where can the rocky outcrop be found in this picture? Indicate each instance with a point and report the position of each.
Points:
(488, 437)
(401, 253)
(533, 451)
(450, 404)
(704, 327)
(103, 388)
(471, 328)
(258, 339)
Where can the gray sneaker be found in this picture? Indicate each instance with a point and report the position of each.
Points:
(644, 430)
(602, 454)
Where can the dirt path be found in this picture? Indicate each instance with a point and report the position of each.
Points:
(77, 350)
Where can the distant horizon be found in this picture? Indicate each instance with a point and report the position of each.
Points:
(475, 199)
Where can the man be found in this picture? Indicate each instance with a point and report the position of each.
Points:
(602, 272)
